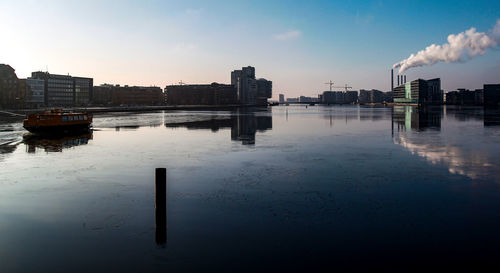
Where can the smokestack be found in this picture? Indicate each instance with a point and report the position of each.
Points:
(405, 78)
(398, 80)
(392, 79)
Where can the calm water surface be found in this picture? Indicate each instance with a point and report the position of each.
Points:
(281, 189)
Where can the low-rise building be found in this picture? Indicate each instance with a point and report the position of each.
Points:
(333, 97)
(465, 97)
(116, 95)
(65, 90)
(373, 96)
(201, 94)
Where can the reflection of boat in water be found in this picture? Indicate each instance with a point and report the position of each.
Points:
(57, 121)
(55, 143)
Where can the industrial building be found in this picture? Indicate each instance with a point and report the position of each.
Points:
(65, 90)
(201, 94)
(419, 91)
(116, 95)
(282, 98)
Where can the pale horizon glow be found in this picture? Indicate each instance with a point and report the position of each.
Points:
(297, 45)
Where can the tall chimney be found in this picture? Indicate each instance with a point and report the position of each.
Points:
(398, 80)
(405, 78)
(392, 79)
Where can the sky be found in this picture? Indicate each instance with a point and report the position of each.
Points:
(299, 45)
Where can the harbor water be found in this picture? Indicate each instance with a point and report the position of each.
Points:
(317, 188)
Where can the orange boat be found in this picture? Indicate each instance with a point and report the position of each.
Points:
(57, 121)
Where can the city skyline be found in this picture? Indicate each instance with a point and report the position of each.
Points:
(299, 46)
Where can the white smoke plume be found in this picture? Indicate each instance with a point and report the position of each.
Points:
(460, 47)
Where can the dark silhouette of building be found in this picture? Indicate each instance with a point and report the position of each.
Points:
(116, 95)
(11, 93)
(491, 94)
(246, 85)
(351, 97)
(465, 97)
(65, 90)
(264, 91)
(249, 90)
(333, 97)
(201, 94)
(374, 96)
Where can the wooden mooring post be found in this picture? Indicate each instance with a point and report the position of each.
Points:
(161, 206)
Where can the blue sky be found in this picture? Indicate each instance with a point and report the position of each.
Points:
(299, 45)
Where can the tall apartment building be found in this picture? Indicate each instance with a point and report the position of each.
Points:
(65, 90)
(282, 98)
(246, 85)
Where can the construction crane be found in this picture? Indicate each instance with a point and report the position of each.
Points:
(331, 84)
(345, 87)
(182, 83)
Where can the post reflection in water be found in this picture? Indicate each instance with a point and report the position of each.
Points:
(243, 123)
(55, 143)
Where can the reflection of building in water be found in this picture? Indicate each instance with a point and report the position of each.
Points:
(417, 118)
(55, 143)
(491, 116)
(462, 158)
(243, 124)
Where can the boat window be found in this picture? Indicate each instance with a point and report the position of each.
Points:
(70, 118)
(81, 117)
(64, 118)
(85, 117)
